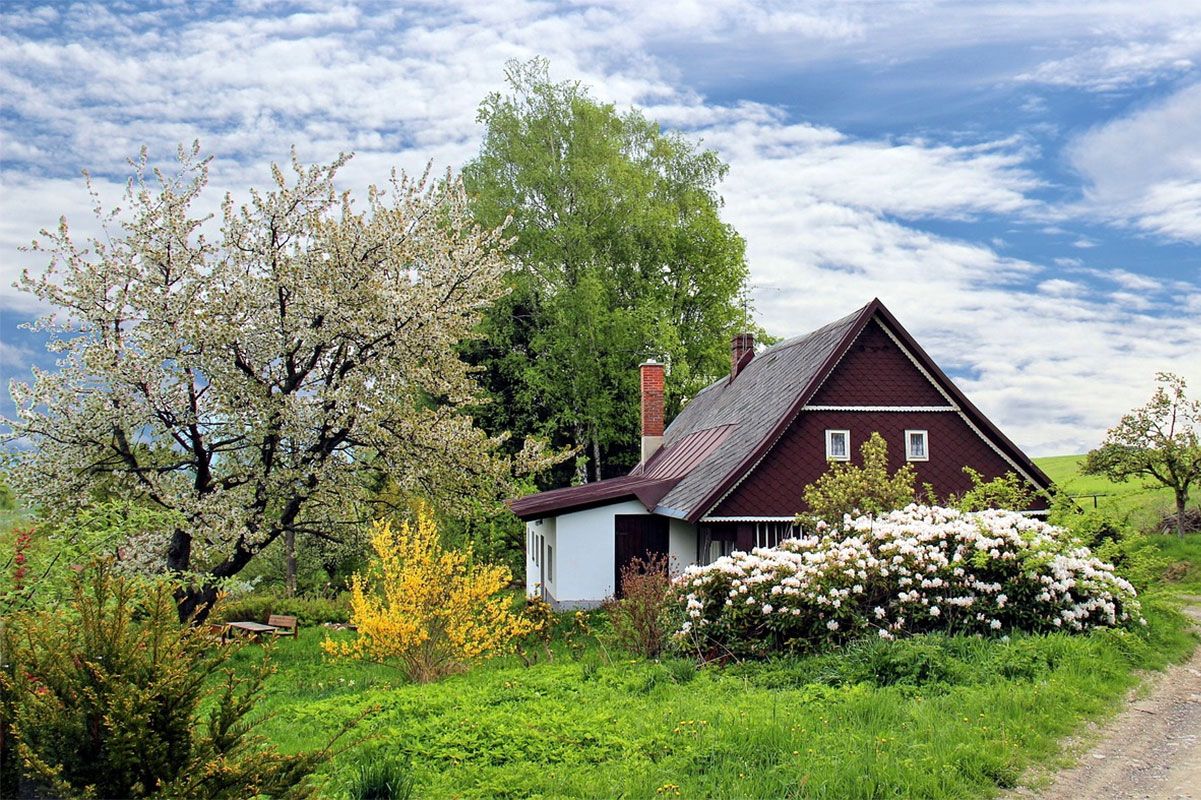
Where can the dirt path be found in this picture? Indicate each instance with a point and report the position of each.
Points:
(1151, 750)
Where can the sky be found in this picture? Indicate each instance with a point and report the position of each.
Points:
(1019, 182)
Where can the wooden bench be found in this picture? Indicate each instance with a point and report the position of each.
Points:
(284, 626)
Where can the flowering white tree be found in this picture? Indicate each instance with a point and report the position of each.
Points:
(251, 384)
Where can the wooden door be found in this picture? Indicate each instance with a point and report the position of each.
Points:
(636, 536)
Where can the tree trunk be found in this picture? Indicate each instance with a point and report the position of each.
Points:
(195, 604)
(581, 462)
(596, 459)
(179, 552)
(1181, 502)
(290, 563)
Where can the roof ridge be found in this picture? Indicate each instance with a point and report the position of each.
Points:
(795, 340)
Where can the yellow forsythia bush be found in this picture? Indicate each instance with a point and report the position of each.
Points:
(429, 608)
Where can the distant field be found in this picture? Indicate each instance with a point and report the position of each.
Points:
(1121, 497)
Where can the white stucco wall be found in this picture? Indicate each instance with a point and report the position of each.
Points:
(585, 553)
(535, 568)
(681, 544)
(582, 542)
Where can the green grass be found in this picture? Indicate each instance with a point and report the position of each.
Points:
(1132, 497)
(833, 726)
(931, 717)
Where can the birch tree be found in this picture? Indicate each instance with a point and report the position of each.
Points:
(623, 256)
(252, 381)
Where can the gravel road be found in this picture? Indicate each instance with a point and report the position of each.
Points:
(1150, 751)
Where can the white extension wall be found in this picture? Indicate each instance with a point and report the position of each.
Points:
(578, 572)
(681, 545)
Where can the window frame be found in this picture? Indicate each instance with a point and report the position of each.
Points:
(925, 434)
(846, 454)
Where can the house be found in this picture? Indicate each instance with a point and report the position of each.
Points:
(729, 472)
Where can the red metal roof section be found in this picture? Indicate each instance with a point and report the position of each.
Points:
(679, 459)
(648, 483)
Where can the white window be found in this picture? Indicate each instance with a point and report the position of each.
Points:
(916, 447)
(838, 445)
(550, 562)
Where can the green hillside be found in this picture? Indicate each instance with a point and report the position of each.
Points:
(1132, 496)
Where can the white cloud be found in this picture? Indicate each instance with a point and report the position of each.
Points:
(1145, 168)
(1165, 48)
(831, 219)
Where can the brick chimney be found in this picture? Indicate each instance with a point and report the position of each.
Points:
(742, 350)
(652, 408)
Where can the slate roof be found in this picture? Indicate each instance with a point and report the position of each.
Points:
(725, 430)
(753, 403)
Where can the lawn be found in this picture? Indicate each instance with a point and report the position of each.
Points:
(936, 717)
(929, 717)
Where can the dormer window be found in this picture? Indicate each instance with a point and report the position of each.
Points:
(916, 446)
(838, 445)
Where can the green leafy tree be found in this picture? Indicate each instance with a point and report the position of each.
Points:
(1160, 440)
(255, 383)
(622, 256)
(849, 489)
(113, 697)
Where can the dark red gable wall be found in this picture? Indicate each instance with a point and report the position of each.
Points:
(875, 372)
(776, 486)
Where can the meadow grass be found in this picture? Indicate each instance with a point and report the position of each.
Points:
(929, 717)
(1143, 508)
(1132, 497)
(952, 717)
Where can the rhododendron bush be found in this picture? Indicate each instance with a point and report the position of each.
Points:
(919, 569)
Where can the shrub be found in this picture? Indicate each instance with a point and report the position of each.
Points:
(104, 699)
(848, 489)
(541, 619)
(639, 619)
(919, 569)
(1005, 492)
(1114, 540)
(427, 607)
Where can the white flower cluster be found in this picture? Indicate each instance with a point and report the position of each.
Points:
(920, 568)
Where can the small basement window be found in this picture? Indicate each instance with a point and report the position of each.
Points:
(916, 446)
(838, 445)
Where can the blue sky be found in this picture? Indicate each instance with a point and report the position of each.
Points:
(1020, 182)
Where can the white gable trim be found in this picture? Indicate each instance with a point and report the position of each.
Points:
(1004, 456)
(749, 519)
